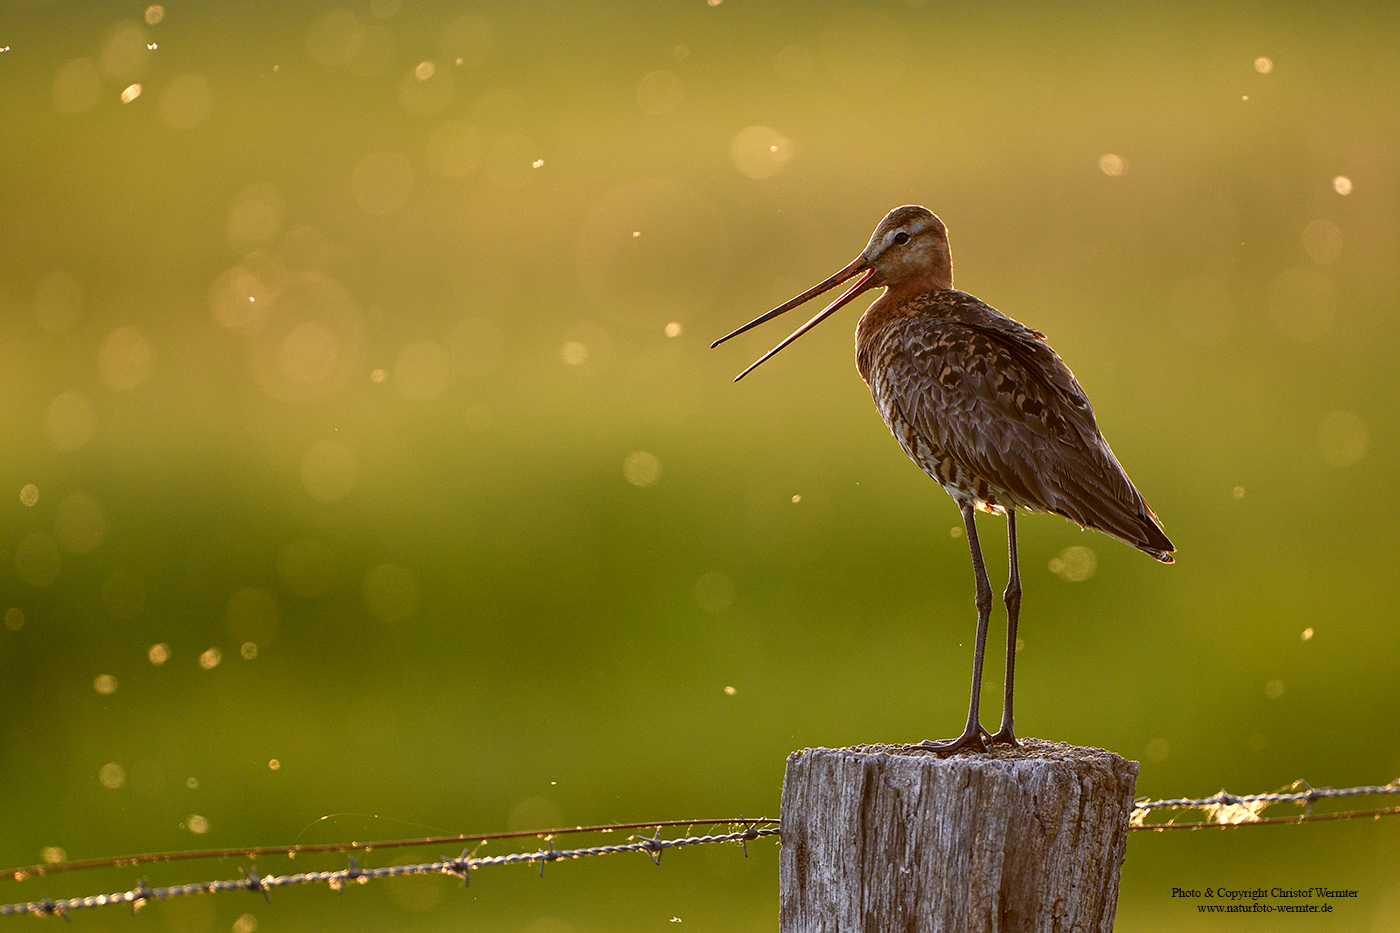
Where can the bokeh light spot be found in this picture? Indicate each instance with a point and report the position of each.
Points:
(38, 559)
(329, 470)
(310, 352)
(714, 592)
(29, 495)
(421, 371)
(660, 92)
(1237, 492)
(124, 53)
(70, 421)
(1342, 185)
(382, 182)
(1307, 633)
(468, 40)
(674, 329)
(105, 684)
(154, 14)
(761, 151)
(1112, 165)
(246, 923)
(390, 593)
(641, 468)
(58, 302)
(730, 691)
(510, 159)
(125, 359)
(1075, 564)
(1342, 438)
(112, 775)
(1263, 65)
(130, 93)
(1273, 689)
(186, 101)
(77, 86)
(241, 298)
(53, 855)
(252, 614)
(427, 89)
(574, 353)
(211, 658)
(308, 567)
(255, 217)
(1302, 303)
(197, 824)
(311, 344)
(158, 654)
(274, 765)
(80, 523)
(249, 650)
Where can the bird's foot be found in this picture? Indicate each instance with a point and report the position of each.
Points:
(970, 741)
(1004, 736)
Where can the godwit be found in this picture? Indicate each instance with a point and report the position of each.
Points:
(983, 405)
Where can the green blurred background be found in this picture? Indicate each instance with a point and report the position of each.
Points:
(358, 413)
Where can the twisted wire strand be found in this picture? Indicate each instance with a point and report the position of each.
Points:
(460, 866)
(1225, 809)
(292, 851)
(1307, 795)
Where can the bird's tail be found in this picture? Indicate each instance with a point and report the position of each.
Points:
(1106, 500)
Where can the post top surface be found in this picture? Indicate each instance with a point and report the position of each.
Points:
(1029, 750)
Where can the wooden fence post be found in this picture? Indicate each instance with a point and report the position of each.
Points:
(891, 838)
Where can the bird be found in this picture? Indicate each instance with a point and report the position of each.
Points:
(986, 408)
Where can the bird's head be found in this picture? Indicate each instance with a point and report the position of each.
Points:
(907, 254)
(909, 249)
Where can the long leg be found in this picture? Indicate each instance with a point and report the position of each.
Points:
(972, 734)
(1006, 735)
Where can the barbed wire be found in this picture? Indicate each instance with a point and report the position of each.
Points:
(461, 866)
(1224, 809)
(292, 851)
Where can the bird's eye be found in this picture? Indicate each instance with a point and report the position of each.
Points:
(901, 238)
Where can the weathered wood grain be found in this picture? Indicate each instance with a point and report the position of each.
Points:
(892, 838)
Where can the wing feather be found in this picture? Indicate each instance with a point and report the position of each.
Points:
(991, 396)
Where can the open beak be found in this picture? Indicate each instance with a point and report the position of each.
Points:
(864, 282)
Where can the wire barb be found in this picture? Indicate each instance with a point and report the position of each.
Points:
(460, 866)
(1225, 809)
(255, 883)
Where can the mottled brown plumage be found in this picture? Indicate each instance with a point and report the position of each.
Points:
(984, 406)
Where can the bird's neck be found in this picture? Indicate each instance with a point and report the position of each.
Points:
(897, 303)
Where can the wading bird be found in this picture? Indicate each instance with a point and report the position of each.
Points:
(984, 406)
